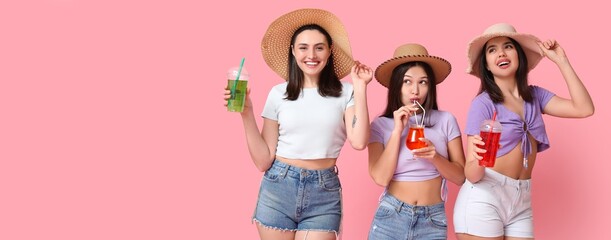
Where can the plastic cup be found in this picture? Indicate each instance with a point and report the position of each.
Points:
(236, 102)
(490, 131)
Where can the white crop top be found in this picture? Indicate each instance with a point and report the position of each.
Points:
(311, 127)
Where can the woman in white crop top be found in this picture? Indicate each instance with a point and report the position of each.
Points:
(412, 205)
(306, 122)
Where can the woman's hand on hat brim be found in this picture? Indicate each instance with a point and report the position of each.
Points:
(552, 50)
(361, 73)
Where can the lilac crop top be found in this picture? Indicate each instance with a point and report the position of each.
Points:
(514, 128)
(440, 129)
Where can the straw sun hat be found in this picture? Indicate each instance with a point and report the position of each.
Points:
(277, 40)
(412, 52)
(527, 41)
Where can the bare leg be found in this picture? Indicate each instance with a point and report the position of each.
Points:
(462, 236)
(266, 233)
(515, 238)
(315, 235)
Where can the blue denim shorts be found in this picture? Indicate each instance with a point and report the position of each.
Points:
(297, 199)
(395, 219)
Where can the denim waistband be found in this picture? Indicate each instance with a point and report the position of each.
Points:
(402, 206)
(291, 170)
(504, 180)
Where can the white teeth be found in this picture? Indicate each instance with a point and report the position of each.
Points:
(503, 64)
(311, 63)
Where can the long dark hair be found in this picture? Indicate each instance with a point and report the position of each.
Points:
(328, 85)
(487, 80)
(393, 101)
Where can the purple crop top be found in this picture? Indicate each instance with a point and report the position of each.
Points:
(440, 129)
(514, 128)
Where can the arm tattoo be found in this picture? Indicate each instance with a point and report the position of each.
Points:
(353, 121)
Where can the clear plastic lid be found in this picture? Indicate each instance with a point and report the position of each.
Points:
(489, 125)
(232, 73)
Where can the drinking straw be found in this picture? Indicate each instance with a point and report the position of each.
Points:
(416, 115)
(493, 119)
(423, 112)
(491, 127)
(235, 83)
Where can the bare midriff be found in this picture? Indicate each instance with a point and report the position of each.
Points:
(419, 193)
(511, 164)
(310, 164)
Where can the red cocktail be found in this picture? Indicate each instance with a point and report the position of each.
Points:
(413, 137)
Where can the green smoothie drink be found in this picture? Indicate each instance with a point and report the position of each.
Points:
(238, 95)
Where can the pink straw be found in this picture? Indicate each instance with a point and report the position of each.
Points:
(491, 127)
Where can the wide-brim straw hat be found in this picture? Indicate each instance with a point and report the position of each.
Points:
(412, 52)
(527, 41)
(276, 42)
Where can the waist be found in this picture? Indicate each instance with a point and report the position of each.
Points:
(493, 176)
(511, 164)
(310, 164)
(417, 210)
(418, 193)
(289, 170)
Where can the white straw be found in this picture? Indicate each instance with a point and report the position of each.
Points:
(416, 114)
(423, 113)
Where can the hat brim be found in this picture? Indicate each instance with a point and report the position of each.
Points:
(441, 67)
(527, 41)
(276, 42)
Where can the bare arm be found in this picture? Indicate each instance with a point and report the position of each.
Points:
(452, 168)
(356, 117)
(383, 159)
(261, 145)
(473, 171)
(580, 104)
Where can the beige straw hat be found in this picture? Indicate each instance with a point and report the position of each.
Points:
(277, 40)
(412, 52)
(527, 41)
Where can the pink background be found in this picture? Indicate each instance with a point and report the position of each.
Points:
(113, 125)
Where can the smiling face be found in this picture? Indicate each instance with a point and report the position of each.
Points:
(311, 51)
(501, 57)
(415, 86)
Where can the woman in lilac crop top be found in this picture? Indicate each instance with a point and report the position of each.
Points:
(495, 202)
(414, 180)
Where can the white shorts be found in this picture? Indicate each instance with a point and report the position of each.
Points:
(494, 206)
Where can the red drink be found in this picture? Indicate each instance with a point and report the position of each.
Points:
(413, 137)
(491, 140)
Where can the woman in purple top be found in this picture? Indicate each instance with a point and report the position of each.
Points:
(494, 203)
(412, 206)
